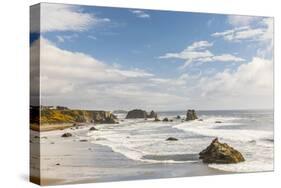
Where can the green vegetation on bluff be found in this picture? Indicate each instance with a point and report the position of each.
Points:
(57, 116)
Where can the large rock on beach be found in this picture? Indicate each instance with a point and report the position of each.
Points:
(171, 139)
(191, 115)
(220, 153)
(66, 135)
(93, 129)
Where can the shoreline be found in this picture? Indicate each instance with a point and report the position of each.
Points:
(85, 162)
(50, 127)
(103, 155)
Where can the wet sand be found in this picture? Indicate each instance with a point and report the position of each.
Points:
(50, 127)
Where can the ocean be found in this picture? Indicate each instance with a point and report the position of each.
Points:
(249, 131)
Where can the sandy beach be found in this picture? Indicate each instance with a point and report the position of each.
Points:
(77, 160)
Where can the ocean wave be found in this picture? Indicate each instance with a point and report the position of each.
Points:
(145, 141)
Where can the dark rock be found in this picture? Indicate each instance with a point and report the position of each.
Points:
(220, 153)
(137, 113)
(171, 139)
(152, 115)
(200, 119)
(178, 117)
(66, 135)
(191, 115)
(93, 129)
(218, 122)
(58, 164)
(156, 119)
(171, 120)
(165, 119)
(83, 140)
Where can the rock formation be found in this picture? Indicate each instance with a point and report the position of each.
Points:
(191, 115)
(152, 115)
(104, 117)
(171, 139)
(220, 153)
(93, 129)
(157, 119)
(66, 135)
(165, 119)
(137, 113)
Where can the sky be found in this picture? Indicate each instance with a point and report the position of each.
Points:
(115, 58)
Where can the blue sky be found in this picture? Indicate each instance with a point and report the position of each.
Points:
(198, 57)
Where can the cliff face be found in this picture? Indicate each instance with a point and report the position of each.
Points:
(56, 116)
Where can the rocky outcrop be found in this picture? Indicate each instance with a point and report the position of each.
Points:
(157, 119)
(93, 129)
(104, 117)
(191, 115)
(152, 115)
(165, 119)
(220, 153)
(218, 122)
(171, 139)
(66, 135)
(138, 113)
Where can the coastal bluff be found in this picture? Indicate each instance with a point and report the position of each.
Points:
(60, 116)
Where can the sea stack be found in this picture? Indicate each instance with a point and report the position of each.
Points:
(191, 115)
(220, 153)
(138, 113)
(152, 115)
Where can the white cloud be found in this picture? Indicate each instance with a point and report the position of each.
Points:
(63, 38)
(241, 33)
(237, 20)
(198, 52)
(78, 80)
(61, 17)
(140, 13)
(92, 37)
(261, 33)
(251, 84)
(227, 57)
